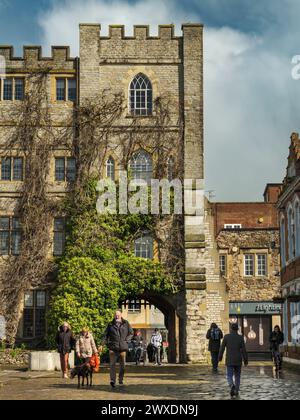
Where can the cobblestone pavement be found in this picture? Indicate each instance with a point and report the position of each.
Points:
(150, 383)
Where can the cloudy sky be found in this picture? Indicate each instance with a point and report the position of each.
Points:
(252, 103)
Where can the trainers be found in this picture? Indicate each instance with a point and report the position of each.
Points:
(66, 376)
(112, 384)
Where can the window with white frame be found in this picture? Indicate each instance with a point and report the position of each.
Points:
(141, 167)
(256, 265)
(249, 265)
(283, 242)
(291, 234)
(141, 96)
(134, 306)
(233, 226)
(262, 265)
(12, 169)
(111, 168)
(143, 247)
(12, 88)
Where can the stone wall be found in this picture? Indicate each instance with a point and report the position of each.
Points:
(238, 243)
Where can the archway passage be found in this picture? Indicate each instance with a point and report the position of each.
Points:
(154, 311)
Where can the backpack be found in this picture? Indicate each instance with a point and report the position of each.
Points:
(215, 334)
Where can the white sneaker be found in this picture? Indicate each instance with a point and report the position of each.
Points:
(66, 376)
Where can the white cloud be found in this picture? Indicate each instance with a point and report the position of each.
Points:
(251, 101)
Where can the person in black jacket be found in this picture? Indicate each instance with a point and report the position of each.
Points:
(276, 339)
(117, 336)
(215, 336)
(65, 342)
(236, 353)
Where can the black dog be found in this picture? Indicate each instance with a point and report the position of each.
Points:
(85, 372)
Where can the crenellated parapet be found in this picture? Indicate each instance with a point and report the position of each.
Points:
(60, 59)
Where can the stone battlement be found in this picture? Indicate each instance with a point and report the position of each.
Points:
(32, 56)
(140, 32)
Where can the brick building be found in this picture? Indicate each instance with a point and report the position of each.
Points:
(247, 237)
(154, 66)
(289, 216)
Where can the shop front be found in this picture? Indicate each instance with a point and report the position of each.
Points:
(256, 321)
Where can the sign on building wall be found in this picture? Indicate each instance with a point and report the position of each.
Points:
(255, 308)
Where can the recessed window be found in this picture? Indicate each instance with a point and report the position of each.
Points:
(12, 169)
(65, 169)
(171, 168)
(141, 167)
(34, 314)
(66, 89)
(12, 88)
(261, 265)
(144, 247)
(141, 96)
(249, 265)
(59, 236)
(256, 265)
(10, 236)
(111, 168)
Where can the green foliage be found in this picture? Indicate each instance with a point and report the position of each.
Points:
(87, 294)
(99, 269)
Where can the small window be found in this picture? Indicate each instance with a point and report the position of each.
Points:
(171, 169)
(8, 89)
(144, 247)
(249, 265)
(141, 96)
(110, 169)
(233, 226)
(6, 169)
(19, 89)
(59, 237)
(134, 306)
(223, 265)
(141, 167)
(18, 169)
(71, 170)
(261, 265)
(34, 315)
(10, 236)
(72, 94)
(12, 169)
(65, 169)
(60, 89)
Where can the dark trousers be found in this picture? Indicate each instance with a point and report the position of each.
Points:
(215, 360)
(234, 376)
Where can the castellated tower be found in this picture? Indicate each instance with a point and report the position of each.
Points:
(173, 67)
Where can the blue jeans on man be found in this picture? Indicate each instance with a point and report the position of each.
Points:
(234, 374)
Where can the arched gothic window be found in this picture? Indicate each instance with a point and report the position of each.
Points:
(143, 247)
(141, 166)
(111, 168)
(141, 96)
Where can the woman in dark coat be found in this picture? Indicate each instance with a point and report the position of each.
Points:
(215, 336)
(276, 339)
(65, 342)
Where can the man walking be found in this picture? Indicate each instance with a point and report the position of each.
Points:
(156, 341)
(236, 353)
(214, 335)
(117, 336)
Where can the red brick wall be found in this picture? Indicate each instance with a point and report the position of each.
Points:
(272, 193)
(246, 214)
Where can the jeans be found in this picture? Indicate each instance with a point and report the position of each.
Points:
(114, 356)
(234, 376)
(215, 360)
(157, 358)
